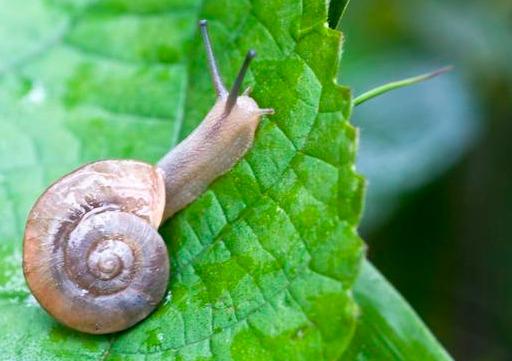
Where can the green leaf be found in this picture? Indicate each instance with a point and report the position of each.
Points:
(263, 263)
(388, 328)
(259, 274)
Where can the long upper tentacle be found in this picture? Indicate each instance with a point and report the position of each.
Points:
(220, 89)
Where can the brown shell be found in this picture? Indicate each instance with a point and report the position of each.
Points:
(91, 253)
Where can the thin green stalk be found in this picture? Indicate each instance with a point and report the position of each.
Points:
(343, 10)
(370, 94)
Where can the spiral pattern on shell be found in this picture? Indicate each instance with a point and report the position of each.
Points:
(92, 255)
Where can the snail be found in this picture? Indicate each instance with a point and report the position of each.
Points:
(92, 255)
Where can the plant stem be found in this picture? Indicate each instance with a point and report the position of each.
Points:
(343, 10)
(370, 94)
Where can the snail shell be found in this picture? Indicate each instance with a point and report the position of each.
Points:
(92, 255)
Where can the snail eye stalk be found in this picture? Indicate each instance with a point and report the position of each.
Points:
(220, 89)
(233, 94)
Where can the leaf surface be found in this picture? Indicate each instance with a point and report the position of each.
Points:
(263, 263)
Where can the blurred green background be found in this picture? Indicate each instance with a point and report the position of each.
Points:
(437, 156)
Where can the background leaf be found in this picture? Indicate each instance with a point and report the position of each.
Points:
(388, 328)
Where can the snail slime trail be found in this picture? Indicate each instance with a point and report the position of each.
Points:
(92, 255)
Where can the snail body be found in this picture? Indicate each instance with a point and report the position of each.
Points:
(92, 255)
